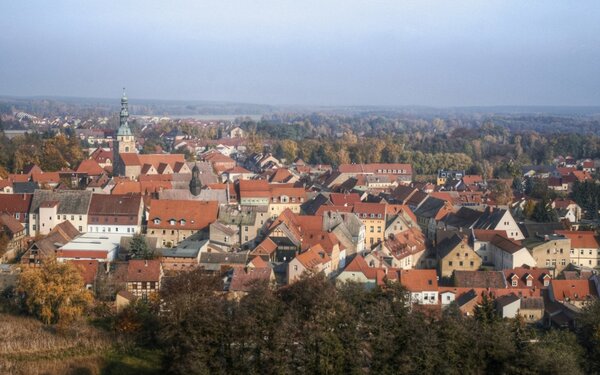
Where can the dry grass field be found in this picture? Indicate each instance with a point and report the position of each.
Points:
(29, 347)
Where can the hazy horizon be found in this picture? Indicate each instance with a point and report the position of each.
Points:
(335, 53)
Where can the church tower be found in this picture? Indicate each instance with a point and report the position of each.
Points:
(195, 184)
(125, 142)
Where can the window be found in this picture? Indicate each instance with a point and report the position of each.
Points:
(514, 282)
(80, 229)
(17, 215)
(460, 263)
(295, 268)
(472, 263)
(563, 262)
(72, 217)
(529, 282)
(450, 263)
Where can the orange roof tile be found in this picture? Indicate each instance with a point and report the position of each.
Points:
(196, 215)
(574, 290)
(91, 167)
(419, 280)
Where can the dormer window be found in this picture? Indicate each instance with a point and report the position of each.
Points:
(172, 221)
(514, 282)
(182, 222)
(529, 282)
(157, 221)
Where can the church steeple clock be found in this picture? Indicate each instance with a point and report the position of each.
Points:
(125, 141)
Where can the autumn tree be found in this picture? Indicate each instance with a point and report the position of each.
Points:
(502, 193)
(54, 292)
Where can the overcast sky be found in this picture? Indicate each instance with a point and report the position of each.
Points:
(321, 52)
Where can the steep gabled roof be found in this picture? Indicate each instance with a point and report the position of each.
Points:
(69, 201)
(417, 280)
(144, 270)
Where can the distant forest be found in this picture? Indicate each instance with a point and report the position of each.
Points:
(495, 146)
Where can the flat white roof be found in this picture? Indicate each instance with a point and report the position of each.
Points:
(95, 242)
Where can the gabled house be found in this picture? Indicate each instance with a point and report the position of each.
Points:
(50, 208)
(115, 213)
(422, 286)
(313, 260)
(14, 233)
(358, 271)
(578, 293)
(429, 213)
(404, 250)
(172, 221)
(455, 253)
(509, 253)
(499, 219)
(585, 248)
(47, 247)
(144, 277)
(373, 216)
(534, 279)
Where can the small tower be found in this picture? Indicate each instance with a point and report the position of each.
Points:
(125, 141)
(195, 184)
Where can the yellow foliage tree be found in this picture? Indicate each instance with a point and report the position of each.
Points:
(54, 292)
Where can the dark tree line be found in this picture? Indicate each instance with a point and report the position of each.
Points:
(315, 327)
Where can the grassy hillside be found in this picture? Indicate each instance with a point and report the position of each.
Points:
(29, 347)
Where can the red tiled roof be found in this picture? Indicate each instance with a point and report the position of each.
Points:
(486, 235)
(90, 167)
(258, 262)
(281, 175)
(581, 239)
(471, 179)
(267, 247)
(574, 290)
(125, 204)
(13, 203)
(143, 270)
(394, 209)
(197, 214)
(339, 199)
(244, 278)
(13, 225)
(325, 208)
(46, 177)
(19, 177)
(419, 280)
(87, 268)
(359, 265)
(313, 257)
(238, 169)
(156, 159)
(361, 208)
(101, 156)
